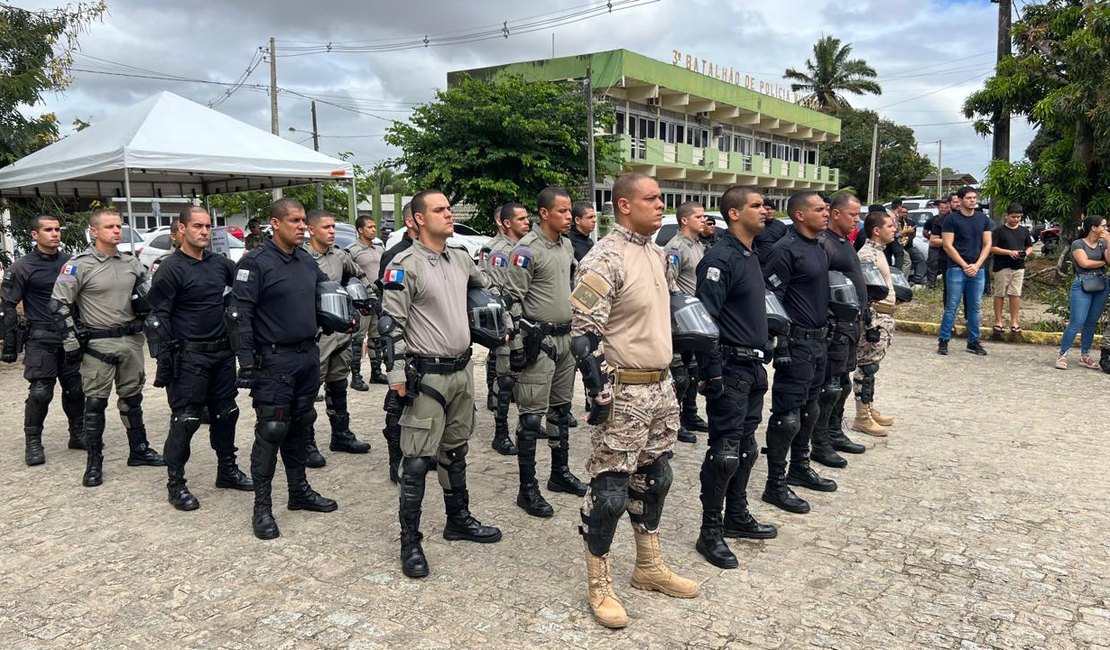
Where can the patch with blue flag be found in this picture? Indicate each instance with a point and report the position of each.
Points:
(69, 272)
(672, 256)
(393, 279)
(522, 257)
(499, 260)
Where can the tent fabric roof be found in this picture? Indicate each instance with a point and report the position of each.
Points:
(172, 147)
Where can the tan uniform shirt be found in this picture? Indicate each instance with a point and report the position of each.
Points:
(623, 296)
(337, 264)
(368, 258)
(99, 286)
(684, 254)
(538, 277)
(425, 292)
(873, 253)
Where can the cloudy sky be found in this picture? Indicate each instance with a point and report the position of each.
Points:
(929, 55)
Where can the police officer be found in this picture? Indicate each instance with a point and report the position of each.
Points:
(428, 363)
(685, 251)
(538, 279)
(189, 338)
(335, 348)
(93, 309)
(881, 231)
(279, 360)
(175, 243)
(30, 280)
(366, 251)
(514, 223)
(497, 241)
(392, 405)
(254, 235)
(622, 343)
(797, 272)
(773, 230)
(730, 286)
(828, 433)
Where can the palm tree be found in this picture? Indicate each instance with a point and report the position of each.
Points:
(832, 74)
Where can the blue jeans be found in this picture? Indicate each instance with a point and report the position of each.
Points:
(1085, 309)
(958, 284)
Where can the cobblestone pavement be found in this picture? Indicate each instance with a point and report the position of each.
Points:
(969, 527)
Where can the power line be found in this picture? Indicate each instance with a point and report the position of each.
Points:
(932, 92)
(256, 60)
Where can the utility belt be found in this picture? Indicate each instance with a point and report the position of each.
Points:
(552, 329)
(883, 308)
(220, 344)
(439, 365)
(732, 353)
(534, 333)
(41, 325)
(128, 329)
(798, 333)
(286, 348)
(637, 377)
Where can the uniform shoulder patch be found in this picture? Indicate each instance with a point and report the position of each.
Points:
(483, 255)
(713, 274)
(522, 257)
(68, 272)
(499, 260)
(393, 279)
(673, 256)
(589, 291)
(243, 275)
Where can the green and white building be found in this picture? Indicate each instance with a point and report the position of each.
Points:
(695, 126)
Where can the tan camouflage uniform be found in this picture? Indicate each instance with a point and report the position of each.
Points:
(875, 352)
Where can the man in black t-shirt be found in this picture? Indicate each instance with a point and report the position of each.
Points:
(1011, 243)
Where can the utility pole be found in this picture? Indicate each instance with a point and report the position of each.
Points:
(273, 99)
(316, 147)
(590, 162)
(1001, 141)
(940, 169)
(873, 179)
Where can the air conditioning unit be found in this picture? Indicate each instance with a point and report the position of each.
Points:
(703, 115)
(718, 131)
(654, 101)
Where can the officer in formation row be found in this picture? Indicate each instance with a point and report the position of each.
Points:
(622, 323)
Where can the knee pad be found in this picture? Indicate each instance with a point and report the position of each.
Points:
(869, 369)
(657, 478)
(749, 451)
(415, 466)
(272, 424)
(810, 412)
(41, 392)
(94, 412)
(186, 420)
(830, 393)
(608, 497)
(304, 420)
(505, 383)
(131, 411)
(225, 416)
(530, 425)
(724, 456)
(788, 422)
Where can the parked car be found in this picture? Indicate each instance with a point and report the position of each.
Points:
(130, 240)
(669, 228)
(159, 243)
(465, 236)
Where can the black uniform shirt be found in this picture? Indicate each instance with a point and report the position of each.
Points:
(797, 272)
(277, 298)
(31, 279)
(765, 240)
(842, 257)
(187, 295)
(730, 285)
(581, 243)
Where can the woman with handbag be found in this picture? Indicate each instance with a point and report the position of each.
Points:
(1089, 290)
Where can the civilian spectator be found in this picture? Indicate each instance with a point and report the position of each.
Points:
(1011, 243)
(967, 240)
(934, 263)
(1088, 290)
(583, 220)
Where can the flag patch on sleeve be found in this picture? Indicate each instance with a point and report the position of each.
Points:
(672, 256)
(522, 257)
(499, 260)
(69, 272)
(393, 276)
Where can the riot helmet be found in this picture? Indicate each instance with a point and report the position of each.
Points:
(334, 311)
(139, 303)
(843, 299)
(692, 328)
(903, 292)
(360, 297)
(778, 323)
(877, 288)
(484, 313)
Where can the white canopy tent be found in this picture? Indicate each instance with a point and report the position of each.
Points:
(166, 146)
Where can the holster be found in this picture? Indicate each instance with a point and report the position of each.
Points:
(533, 340)
(412, 383)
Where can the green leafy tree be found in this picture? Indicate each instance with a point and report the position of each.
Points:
(830, 74)
(489, 143)
(1057, 79)
(36, 52)
(901, 167)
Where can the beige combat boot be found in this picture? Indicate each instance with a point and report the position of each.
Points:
(652, 575)
(879, 418)
(865, 423)
(603, 602)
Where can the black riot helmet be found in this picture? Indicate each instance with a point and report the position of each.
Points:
(843, 299)
(139, 303)
(360, 297)
(334, 311)
(877, 289)
(778, 323)
(484, 313)
(903, 292)
(692, 329)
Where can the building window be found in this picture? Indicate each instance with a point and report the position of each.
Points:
(811, 157)
(620, 123)
(680, 133)
(796, 154)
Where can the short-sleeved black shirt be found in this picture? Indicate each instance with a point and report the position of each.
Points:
(187, 294)
(1011, 239)
(730, 286)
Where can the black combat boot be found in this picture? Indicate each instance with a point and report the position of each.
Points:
(837, 438)
(376, 374)
(33, 453)
(529, 497)
(179, 495)
(800, 473)
(684, 435)
(502, 442)
(34, 415)
(357, 382)
(94, 440)
(73, 403)
(184, 422)
(141, 455)
(721, 461)
(314, 458)
(228, 474)
(739, 522)
(269, 429)
(413, 473)
(342, 438)
(302, 496)
(558, 437)
(780, 431)
(822, 450)
(460, 523)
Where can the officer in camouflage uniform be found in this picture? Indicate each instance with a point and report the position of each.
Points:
(427, 343)
(30, 280)
(93, 308)
(335, 349)
(514, 223)
(622, 343)
(684, 251)
(538, 280)
(367, 254)
(872, 349)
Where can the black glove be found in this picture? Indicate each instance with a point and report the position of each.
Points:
(712, 388)
(73, 357)
(782, 358)
(245, 380)
(872, 335)
(9, 356)
(356, 320)
(163, 371)
(601, 408)
(518, 360)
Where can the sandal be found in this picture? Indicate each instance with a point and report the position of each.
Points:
(1016, 329)
(1062, 363)
(997, 328)
(1088, 362)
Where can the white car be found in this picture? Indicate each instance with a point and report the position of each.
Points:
(126, 242)
(158, 243)
(464, 236)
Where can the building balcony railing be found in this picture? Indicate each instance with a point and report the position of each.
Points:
(652, 151)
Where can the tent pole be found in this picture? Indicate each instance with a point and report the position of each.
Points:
(352, 207)
(130, 217)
